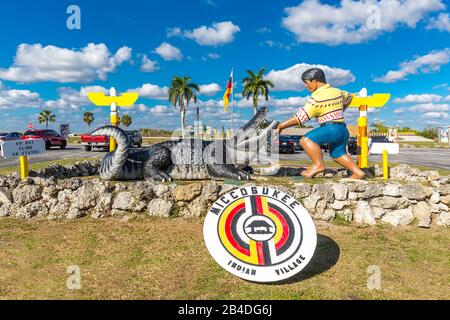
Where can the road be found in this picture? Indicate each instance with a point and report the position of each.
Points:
(71, 152)
(433, 158)
(427, 157)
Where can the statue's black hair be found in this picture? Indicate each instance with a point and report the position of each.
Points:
(314, 74)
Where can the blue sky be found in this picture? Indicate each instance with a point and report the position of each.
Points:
(399, 47)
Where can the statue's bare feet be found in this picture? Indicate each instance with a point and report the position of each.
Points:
(312, 171)
(359, 175)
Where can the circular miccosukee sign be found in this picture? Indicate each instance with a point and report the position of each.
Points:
(260, 234)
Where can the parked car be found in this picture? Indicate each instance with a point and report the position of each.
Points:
(89, 142)
(11, 136)
(296, 140)
(286, 145)
(51, 138)
(352, 146)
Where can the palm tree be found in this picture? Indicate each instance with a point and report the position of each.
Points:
(126, 120)
(88, 118)
(255, 85)
(181, 92)
(46, 116)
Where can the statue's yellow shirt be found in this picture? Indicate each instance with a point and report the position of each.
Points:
(325, 104)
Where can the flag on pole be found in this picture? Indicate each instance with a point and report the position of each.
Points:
(228, 92)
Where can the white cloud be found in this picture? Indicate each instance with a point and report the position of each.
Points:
(428, 107)
(264, 30)
(162, 110)
(15, 99)
(290, 79)
(436, 115)
(70, 98)
(354, 21)
(400, 110)
(35, 63)
(168, 52)
(419, 98)
(148, 65)
(442, 22)
(447, 98)
(210, 89)
(219, 34)
(275, 44)
(430, 62)
(213, 55)
(174, 32)
(151, 91)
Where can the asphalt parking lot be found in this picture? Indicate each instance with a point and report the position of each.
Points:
(433, 158)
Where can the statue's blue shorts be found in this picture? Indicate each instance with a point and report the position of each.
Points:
(334, 134)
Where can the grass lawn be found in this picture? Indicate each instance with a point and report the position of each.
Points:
(167, 259)
(423, 144)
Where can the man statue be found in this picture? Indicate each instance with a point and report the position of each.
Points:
(327, 105)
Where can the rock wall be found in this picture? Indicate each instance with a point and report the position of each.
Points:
(424, 202)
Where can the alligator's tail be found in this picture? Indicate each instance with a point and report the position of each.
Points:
(112, 164)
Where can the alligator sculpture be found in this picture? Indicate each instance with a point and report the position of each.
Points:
(187, 159)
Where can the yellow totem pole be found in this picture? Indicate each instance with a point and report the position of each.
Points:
(363, 102)
(114, 102)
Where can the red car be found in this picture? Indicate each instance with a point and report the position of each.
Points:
(51, 138)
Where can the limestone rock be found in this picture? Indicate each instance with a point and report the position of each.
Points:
(391, 190)
(353, 195)
(389, 202)
(26, 194)
(324, 191)
(103, 207)
(6, 196)
(72, 184)
(326, 215)
(405, 172)
(310, 202)
(187, 192)
(164, 191)
(5, 210)
(339, 205)
(374, 190)
(435, 198)
(160, 208)
(75, 213)
(358, 186)
(378, 212)
(443, 219)
(414, 191)
(340, 191)
(364, 214)
(444, 190)
(29, 210)
(59, 210)
(400, 217)
(126, 201)
(84, 197)
(423, 214)
(445, 200)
